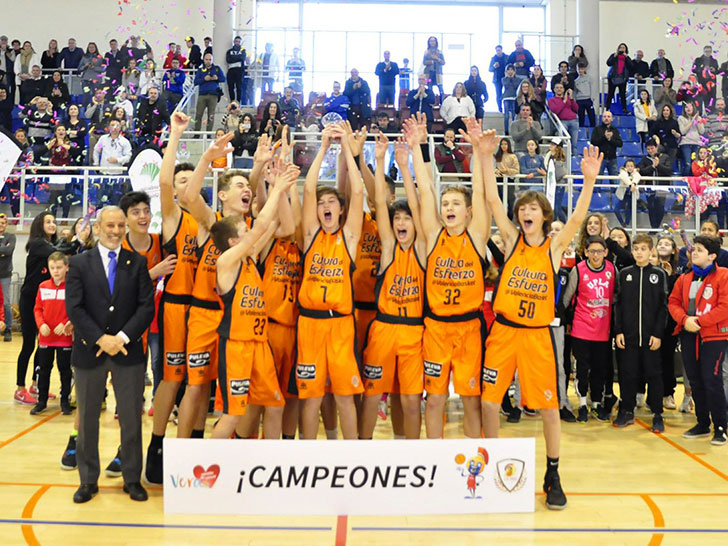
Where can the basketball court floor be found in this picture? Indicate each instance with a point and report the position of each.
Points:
(627, 487)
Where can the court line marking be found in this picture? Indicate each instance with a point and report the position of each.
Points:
(26, 522)
(342, 523)
(30, 429)
(28, 509)
(535, 530)
(685, 451)
(658, 520)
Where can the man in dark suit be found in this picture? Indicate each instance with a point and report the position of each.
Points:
(110, 301)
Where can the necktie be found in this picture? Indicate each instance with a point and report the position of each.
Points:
(112, 271)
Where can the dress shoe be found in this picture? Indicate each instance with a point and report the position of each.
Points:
(136, 491)
(85, 493)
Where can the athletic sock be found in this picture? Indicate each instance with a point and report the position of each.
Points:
(552, 465)
(582, 401)
(399, 437)
(332, 434)
(156, 442)
(289, 436)
(197, 433)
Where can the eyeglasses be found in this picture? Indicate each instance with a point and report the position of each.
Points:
(595, 252)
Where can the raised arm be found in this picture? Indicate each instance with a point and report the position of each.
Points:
(296, 213)
(413, 132)
(480, 223)
(386, 235)
(355, 211)
(401, 156)
(309, 218)
(263, 154)
(171, 212)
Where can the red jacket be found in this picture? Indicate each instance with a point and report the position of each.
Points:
(50, 309)
(711, 304)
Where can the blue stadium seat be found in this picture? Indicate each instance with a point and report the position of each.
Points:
(629, 134)
(583, 133)
(576, 165)
(632, 149)
(624, 121)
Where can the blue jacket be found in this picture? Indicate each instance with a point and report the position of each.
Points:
(387, 77)
(174, 83)
(423, 105)
(360, 96)
(209, 87)
(339, 104)
(70, 59)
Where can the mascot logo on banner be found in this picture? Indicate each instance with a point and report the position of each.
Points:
(473, 470)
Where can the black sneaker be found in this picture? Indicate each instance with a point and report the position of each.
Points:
(566, 415)
(624, 419)
(528, 412)
(698, 431)
(114, 468)
(68, 461)
(7, 335)
(658, 424)
(719, 438)
(514, 416)
(603, 414)
(38, 408)
(66, 408)
(555, 498)
(609, 402)
(154, 473)
(583, 416)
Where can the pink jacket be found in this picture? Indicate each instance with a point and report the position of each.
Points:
(564, 110)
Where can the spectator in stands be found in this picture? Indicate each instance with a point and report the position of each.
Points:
(148, 78)
(114, 65)
(295, 67)
(70, 56)
(525, 128)
(7, 66)
(91, 69)
(173, 82)
(526, 95)
(119, 114)
(152, 115)
(557, 156)
(531, 164)
(521, 59)
(268, 62)
(7, 247)
(477, 91)
(6, 109)
(77, 133)
(387, 72)
(24, 62)
(717, 124)
(16, 46)
(629, 179)
(385, 124)
(497, 66)
(583, 94)
(244, 142)
(121, 99)
(645, 113)
(457, 107)
(705, 68)
(208, 45)
(639, 71)
(665, 95)
(538, 83)
(661, 67)
(112, 149)
(691, 90)
(235, 59)
(272, 120)
(421, 100)
(510, 83)
(434, 61)
(208, 78)
(290, 109)
(130, 80)
(506, 162)
(337, 103)
(655, 164)
(232, 118)
(667, 130)
(360, 99)
(448, 155)
(607, 137)
(135, 48)
(56, 91)
(692, 129)
(577, 59)
(32, 86)
(38, 120)
(564, 107)
(564, 77)
(194, 53)
(405, 74)
(620, 66)
(98, 114)
(169, 56)
(49, 58)
(179, 55)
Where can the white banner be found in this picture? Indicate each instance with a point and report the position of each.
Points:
(272, 477)
(551, 183)
(144, 176)
(9, 154)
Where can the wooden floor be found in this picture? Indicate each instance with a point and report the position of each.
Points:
(624, 487)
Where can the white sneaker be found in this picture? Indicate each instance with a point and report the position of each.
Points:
(640, 400)
(668, 402)
(687, 405)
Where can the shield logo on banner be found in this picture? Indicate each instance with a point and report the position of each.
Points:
(510, 474)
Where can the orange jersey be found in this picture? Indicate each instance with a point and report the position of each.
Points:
(244, 315)
(184, 245)
(327, 276)
(525, 294)
(203, 291)
(153, 254)
(368, 256)
(400, 288)
(455, 284)
(281, 271)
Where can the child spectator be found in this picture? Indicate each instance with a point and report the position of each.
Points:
(640, 312)
(54, 333)
(699, 305)
(692, 127)
(591, 289)
(701, 184)
(583, 96)
(629, 179)
(510, 83)
(404, 74)
(531, 164)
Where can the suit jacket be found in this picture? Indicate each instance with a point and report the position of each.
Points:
(95, 312)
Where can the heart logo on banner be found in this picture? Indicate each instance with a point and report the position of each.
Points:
(207, 477)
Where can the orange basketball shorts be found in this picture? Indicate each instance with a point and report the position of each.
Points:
(392, 360)
(282, 341)
(453, 347)
(202, 345)
(173, 334)
(326, 356)
(532, 352)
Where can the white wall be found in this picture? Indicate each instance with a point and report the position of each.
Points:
(158, 22)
